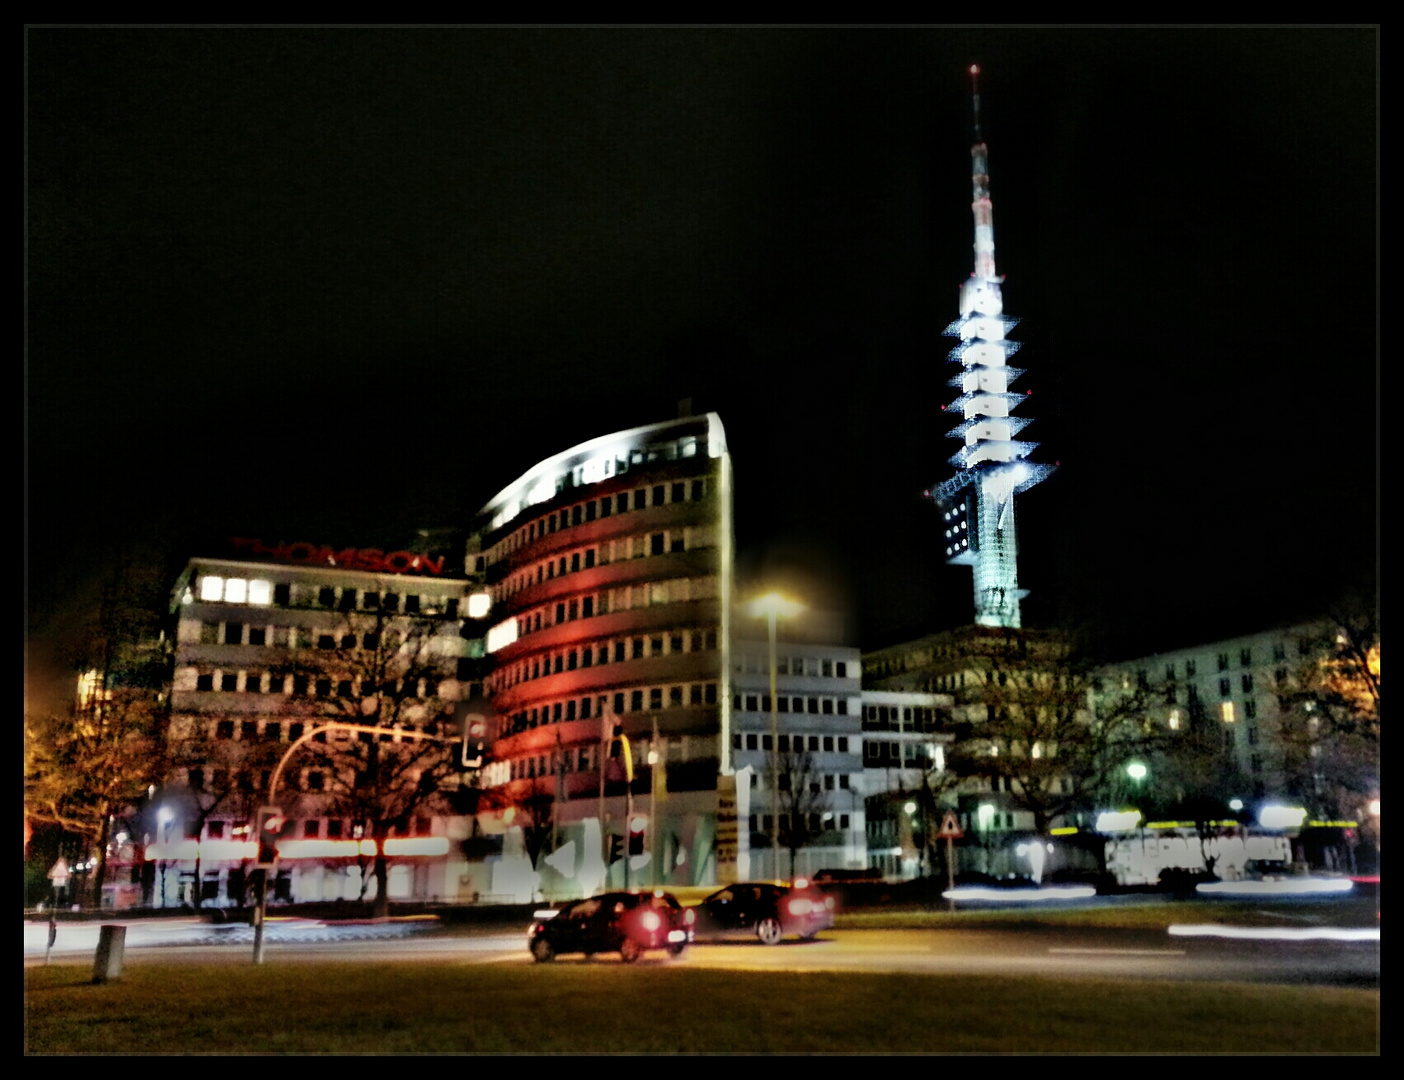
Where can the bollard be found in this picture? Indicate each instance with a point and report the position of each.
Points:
(112, 942)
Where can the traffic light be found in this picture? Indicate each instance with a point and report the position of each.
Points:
(616, 847)
(474, 736)
(270, 825)
(636, 835)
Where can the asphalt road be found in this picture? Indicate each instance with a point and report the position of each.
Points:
(1054, 952)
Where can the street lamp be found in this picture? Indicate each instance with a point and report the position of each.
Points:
(773, 606)
(164, 817)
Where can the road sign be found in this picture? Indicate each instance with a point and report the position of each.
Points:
(950, 827)
(59, 873)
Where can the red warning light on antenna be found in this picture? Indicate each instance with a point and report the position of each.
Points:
(974, 69)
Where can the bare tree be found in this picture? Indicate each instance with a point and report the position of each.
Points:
(800, 802)
(218, 776)
(1192, 769)
(389, 671)
(1331, 710)
(1049, 740)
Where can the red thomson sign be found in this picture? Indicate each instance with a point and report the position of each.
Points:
(394, 562)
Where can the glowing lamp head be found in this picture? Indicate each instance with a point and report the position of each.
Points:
(1235, 805)
(910, 807)
(1136, 771)
(1281, 817)
(773, 605)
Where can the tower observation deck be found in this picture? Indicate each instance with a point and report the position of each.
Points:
(977, 503)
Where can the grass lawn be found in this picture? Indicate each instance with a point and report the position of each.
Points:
(608, 1008)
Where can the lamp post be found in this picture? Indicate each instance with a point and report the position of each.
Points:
(772, 606)
(1137, 772)
(164, 817)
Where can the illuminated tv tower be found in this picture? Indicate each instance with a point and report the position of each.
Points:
(978, 502)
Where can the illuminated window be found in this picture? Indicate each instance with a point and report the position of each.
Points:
(260, 592)
(1174, 720)
(211, 588)
(1226, 710)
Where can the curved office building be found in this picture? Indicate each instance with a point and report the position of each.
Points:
(609, 567)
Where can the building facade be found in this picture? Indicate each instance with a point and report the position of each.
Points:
(277, 645)
(807, 779)
(1246, 690)
(609, 568)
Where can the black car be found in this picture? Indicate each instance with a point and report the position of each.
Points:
(766, 910)
(629, 922)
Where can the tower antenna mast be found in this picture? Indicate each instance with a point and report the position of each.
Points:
(977, 503)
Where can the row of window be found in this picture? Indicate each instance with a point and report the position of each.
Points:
(825, 706)
(624, 598)
(256, 682)
(213, 589)
(667, 643)
(582, 513)
(277, 731)
(304, 637)
(917, 718)
(762, 824)
(676, 697)
(307, 828)
(621, 549)
(828, 744)
(751, 664)
(562, 761)
(1245, 659)
(892, 755)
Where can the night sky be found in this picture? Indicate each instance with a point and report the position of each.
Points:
(338, 285)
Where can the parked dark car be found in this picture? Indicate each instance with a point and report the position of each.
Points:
(765, 910)
(627, 922)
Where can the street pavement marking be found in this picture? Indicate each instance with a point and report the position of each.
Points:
(1122, 952)
(1278, 933)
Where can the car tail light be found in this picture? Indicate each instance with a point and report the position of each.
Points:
(689, 916)
(650, 921)
(799, 905)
